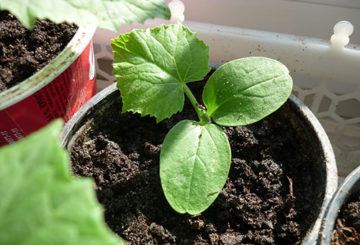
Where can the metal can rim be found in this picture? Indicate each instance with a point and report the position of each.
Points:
(48, 73)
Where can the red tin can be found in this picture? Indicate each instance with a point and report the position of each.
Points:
(56, 91)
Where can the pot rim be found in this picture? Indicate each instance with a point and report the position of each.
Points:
(331, 181)
(349, 186)
(49, 72)
(329, 163)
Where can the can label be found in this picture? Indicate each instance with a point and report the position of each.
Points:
(61, 98)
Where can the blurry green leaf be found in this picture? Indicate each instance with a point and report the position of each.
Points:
(109, 14)
(41, 203)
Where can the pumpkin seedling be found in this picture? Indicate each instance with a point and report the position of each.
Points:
(153, 68)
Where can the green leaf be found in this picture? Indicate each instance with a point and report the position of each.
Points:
(152, 66)
(246, 90)
(194, 165)
(110, 14)
(41, 203)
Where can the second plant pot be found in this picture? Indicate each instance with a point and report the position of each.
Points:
(282, 176)
(342, 219)
(57, 90)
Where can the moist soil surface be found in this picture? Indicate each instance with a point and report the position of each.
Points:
(347, 227)
(24, 52)
(270, 197)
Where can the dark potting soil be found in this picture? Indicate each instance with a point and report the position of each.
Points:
(347, 227)
(24, 52)
(270, 197)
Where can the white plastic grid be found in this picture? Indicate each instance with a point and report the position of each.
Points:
(340, 116)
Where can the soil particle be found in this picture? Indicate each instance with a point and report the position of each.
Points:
(270, 196)
(347, 229)
(24, 52)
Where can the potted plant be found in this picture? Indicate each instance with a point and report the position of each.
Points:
(282, 167)
(340, 224)
(44, 76)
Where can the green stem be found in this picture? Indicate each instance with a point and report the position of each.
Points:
(202, 114)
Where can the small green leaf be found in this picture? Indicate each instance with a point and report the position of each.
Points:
(194, 165)
(41, 203)
(110, 14)
(151, 67)
(246, 90)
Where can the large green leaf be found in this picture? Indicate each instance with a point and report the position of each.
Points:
(246, 90)
(152, 66)
(41, 203)
(194, 165)
(110, 14)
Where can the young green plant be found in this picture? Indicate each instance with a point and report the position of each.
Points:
(153, 68)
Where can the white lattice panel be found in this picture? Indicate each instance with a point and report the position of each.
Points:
(339, 113)
(335, 102)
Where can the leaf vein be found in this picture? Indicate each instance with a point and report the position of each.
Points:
(191, 62)
(262, 82)
(235, 96)
(192, 171)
